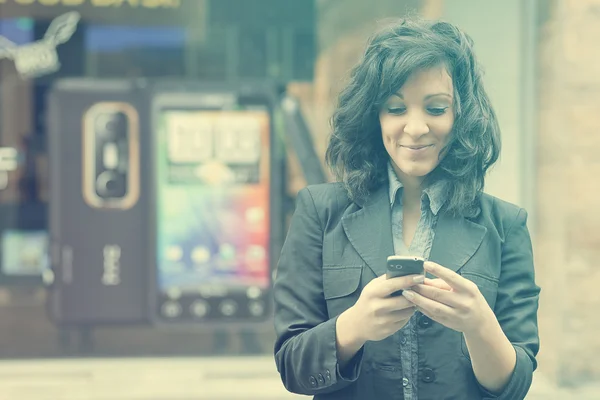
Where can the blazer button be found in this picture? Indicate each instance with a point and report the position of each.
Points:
(428, 375)
(327, 375)
(313, 381)
(320, 379)
(424, 322)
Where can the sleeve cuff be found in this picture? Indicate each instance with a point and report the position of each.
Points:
(520, 380)
(323, 374)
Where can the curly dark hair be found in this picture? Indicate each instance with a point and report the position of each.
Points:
(356, 153)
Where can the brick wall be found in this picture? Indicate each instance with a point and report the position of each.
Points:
(568, 234)
(550, 244)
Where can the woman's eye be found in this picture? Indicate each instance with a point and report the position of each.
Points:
(437, 110)
(396, 110)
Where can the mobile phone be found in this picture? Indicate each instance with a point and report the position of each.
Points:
(216, 203)
(404, 265)
(97, 202)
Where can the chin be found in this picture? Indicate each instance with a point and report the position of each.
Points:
(415, 171)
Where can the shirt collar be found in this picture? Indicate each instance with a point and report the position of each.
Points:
(435, 194)
(395, 184)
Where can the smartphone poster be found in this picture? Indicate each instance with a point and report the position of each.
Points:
(212, 232)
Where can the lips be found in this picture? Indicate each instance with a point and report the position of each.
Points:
(419, 147)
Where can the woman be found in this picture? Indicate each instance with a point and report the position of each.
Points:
(413, 136)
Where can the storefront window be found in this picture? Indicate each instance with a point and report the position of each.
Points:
(217, 41)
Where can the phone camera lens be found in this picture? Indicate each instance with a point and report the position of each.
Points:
(111, 185)
(110, 125)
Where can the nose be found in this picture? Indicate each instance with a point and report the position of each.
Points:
(416, 127)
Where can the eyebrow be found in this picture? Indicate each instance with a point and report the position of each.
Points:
(428, 96)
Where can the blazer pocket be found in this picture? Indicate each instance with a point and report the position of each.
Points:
(340, 287)
(488, 286)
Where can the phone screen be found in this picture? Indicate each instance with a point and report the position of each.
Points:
(212, 212)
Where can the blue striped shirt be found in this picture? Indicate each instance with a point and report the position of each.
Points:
(432, 200)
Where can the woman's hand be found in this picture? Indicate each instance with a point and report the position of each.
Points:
(452, 300)
(377, 315)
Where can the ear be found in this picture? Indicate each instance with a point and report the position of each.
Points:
(7, 48)
(62, 28)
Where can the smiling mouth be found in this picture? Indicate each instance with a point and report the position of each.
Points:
(417, 147)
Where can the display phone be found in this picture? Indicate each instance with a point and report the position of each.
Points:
(217, 192)
(404, 265)
(97, 202)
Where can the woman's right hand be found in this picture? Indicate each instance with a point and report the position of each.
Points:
(377, 315)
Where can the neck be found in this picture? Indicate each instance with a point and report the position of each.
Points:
(411, 197)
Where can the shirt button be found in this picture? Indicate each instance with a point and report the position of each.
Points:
(313, 381)
(403, 340)
(428, 375)
(424, 322)
(320, 379)
(405, 382)
(327, 375)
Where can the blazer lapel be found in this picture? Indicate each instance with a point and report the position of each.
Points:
(369, 230)
(456, 240)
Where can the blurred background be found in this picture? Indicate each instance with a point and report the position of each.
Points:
(137, 264)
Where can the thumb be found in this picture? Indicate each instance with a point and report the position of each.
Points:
(438, 283)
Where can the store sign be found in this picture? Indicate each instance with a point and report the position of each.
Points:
(40, 58)
(151, 4)
(129, 12)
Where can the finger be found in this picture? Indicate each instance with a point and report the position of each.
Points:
(432, 317)
(392, 285)
(403, 315)
(438, 283)
(443, 296)
(433, 308)
(397, 303)
(454, 280)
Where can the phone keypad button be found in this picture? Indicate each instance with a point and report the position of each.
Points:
(199, 308)
(257, 308)
(228, 308)
(171, 309)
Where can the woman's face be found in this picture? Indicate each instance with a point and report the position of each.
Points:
(416, 122)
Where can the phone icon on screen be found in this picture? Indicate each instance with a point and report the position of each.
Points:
(190, 140)
(227, 252)
(174, 253)
(201, 255)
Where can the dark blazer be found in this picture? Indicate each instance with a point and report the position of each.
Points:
(334, 247)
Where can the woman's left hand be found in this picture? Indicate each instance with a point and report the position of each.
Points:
(452, 300)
